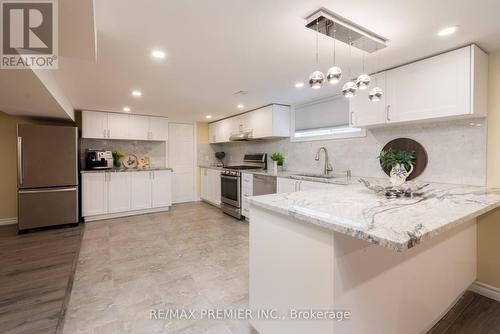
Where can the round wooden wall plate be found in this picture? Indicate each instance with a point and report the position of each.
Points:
(409, 145)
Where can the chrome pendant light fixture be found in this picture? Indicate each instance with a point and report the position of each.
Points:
(349, 89)
(364, 79)
(317, 78)
(334, 74)
(376, 92)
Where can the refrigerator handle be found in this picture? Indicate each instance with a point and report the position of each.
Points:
(20, 170)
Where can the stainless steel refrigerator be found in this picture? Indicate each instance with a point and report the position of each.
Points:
(47, 176)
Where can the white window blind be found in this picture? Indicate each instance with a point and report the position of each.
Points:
(322, 114)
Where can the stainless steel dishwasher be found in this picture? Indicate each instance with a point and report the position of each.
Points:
(264, 184)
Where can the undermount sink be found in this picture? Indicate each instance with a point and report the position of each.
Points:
(315, 175)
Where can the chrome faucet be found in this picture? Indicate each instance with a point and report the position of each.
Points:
(328, 167)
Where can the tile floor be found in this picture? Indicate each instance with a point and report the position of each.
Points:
(191, 257)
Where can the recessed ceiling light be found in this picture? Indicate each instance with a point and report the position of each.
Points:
(448, 31)
(240, 106)
(299, 84)
(136, 93)
(158, 54)
(126, 109)
(208, 116)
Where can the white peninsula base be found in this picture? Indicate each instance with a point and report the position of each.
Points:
(295, 265)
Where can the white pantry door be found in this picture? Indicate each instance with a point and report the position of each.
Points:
(181, 159)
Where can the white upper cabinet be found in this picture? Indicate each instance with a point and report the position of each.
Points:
(106, 125)
(158, 128)
(118, 126)
(446, 86)
(139, 127)
(267, 122)
(94, 124)
(364, 112)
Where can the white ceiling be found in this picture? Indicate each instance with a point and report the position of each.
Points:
(216, 48)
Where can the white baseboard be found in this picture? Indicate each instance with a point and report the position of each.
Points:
(485, 290)
(125, 214)
(8, 221)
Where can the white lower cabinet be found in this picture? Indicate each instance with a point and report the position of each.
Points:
(246, 192)
(210, 185)
(94, 194)
(290, 185)
(285, 185)
(140, 196)
(123, 192)
(118, 192)
(160, 193)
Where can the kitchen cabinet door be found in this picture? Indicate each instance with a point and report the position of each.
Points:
(435, 87)
(260, 122)
(214, 186)
(94, 124)
(204, 184)
(140, 190)
(118, 126)
(365, 113)
(158, 128)
(94, 194)
(161, 189)
(119, 191)
(286, 185)
(138, 127)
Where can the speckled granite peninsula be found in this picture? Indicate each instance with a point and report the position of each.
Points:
(397, 223)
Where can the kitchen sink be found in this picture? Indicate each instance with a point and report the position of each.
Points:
(314, 175)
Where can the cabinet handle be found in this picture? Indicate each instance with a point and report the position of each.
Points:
(109, 133)
(387, 113)
(352, 117)
(104, 133)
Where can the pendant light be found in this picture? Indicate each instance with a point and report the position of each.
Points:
(317, 78)
(364, 79)
(350, 88)
(376, 92)
(334, 74)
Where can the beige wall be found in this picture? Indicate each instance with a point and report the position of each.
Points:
(8, 167)
(489, 225)
(202, 138)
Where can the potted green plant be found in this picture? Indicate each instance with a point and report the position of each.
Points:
(399, 163)
(278, 160)
(220, 156)
(117, 156)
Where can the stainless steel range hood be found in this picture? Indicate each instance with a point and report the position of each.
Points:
(242, 136)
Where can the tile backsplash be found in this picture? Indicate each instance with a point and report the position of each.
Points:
(456, 151)
(155, 150)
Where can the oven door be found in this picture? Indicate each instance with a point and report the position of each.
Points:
(230, 190)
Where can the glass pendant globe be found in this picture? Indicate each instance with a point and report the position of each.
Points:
(316, 79)
(363, 81)
(375, 94)
(334, 75)
(349, 89)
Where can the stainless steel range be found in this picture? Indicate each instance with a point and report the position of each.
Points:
(231, 182)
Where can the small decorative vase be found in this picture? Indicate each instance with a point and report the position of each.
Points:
(275, 167)
(399, 174)
(117, 163)
(280, 168)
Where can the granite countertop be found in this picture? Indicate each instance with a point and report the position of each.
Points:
(341, 179)
(118, 170)
(398, 224)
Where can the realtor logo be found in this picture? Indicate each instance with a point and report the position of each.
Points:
(29, 34)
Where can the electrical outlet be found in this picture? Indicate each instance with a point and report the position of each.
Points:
(206, 157)
(230, 158)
